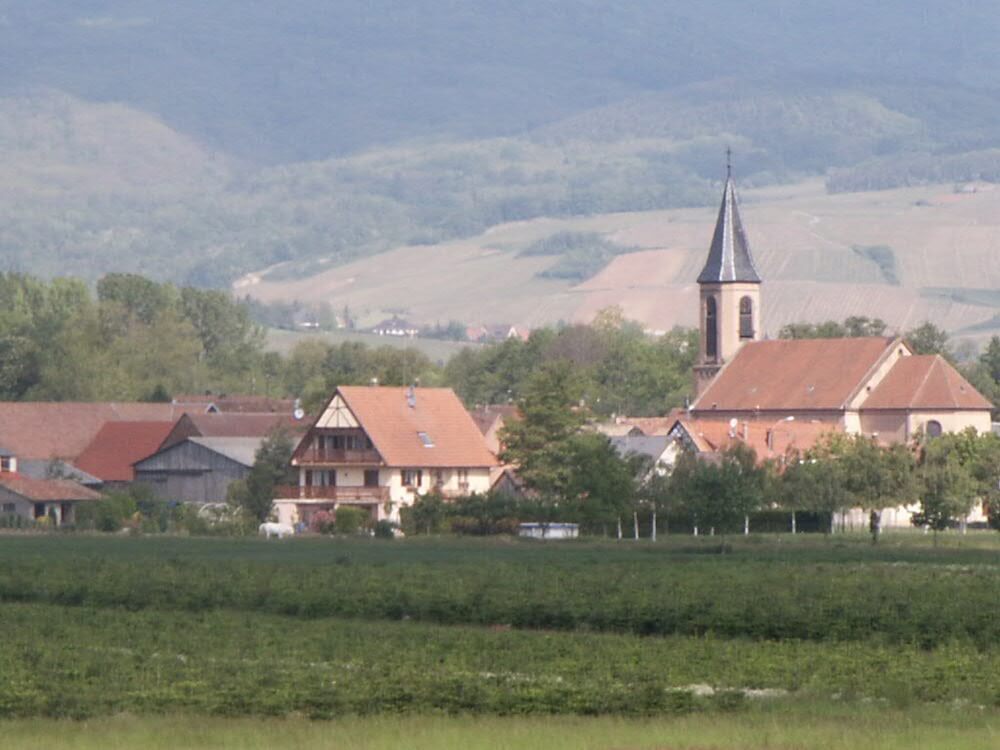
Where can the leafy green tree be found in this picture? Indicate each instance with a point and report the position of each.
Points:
(426, 515)
(349, 520)
(254, 495)
(927, 338)
(540, 442)
(947, 492)
(874, 476)
(719, 492)
(20, 368)
(814, 482)
(601, 484)
(990, 358)
(135, 295)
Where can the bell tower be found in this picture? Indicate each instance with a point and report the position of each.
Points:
(729, 291)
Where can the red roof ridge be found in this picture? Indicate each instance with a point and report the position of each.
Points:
(891, 342)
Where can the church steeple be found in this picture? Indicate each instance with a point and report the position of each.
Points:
(729, 258)
(729, 290)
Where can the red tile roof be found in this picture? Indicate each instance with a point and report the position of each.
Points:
(655, 425)
(232, 425)
(793, 375)
(769, 439)
(118, 445)
(393, 426)
(486, 416)
(62, 429)
(237, 404)
(925, 382)
(52, 490)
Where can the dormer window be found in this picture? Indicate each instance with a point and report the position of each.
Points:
(425, 439)
(8, 464)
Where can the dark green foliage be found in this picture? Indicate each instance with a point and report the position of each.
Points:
(136, 340)
(718, 494)
(350, 520)
(617, 369)
(853, 327)
(254, 495)
(927, 338)
(539, 441)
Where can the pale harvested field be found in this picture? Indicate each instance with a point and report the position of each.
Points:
(802, 237)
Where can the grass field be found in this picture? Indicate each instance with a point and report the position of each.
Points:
(783, 642)
(842, 728)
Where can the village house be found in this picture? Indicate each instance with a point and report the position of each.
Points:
(380, 448)
(396, 326)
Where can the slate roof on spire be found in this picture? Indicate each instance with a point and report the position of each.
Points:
(729, 258)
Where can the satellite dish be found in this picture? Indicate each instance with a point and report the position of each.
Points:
(299, 413)
(734, 423)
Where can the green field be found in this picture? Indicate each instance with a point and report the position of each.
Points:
(843, 728)
(782, 642)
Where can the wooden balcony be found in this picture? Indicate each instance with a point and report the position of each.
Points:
(322, 457)
(338, 494)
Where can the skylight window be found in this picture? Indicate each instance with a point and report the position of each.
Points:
(425, 439)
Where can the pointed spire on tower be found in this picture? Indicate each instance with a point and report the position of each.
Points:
(729, 258)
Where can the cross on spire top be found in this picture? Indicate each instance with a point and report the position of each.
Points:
(729, 162)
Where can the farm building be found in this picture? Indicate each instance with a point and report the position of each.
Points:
(226, 424)
(63, 429)
(490, 420)
(379, 448)
(117, 446)
(211, 403)
(34, 499)
(198, 469)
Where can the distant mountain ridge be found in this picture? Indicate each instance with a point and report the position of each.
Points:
(201, 141)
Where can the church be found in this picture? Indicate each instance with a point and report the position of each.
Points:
(783, 394)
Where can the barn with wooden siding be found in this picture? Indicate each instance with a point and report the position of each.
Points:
(198, 469)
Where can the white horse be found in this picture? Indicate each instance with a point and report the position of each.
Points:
(280, 530)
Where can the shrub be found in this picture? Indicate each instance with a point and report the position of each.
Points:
(349, 520)
(385, 529)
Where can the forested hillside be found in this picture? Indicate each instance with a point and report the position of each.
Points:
(196, 142)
